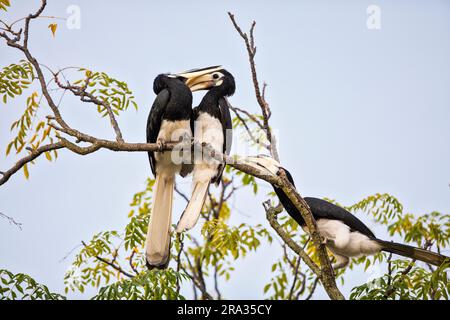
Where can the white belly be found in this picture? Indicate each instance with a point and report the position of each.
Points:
(207, 130)
(344, 241)
(169, 162)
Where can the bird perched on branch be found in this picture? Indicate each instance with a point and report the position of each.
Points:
(212, 126)
(345, 235)
(169, 121)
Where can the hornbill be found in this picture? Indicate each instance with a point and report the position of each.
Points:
(213, 126)
(169, 120)
(345, 235)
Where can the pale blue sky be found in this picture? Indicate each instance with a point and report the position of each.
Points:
(358, 111)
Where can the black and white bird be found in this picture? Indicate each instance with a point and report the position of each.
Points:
(169, 120)
(213, 126)
(345, 235)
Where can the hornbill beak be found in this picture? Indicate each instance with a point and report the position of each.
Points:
(199, 79)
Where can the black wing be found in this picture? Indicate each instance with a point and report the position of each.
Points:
(227, 127)
(154, 122)
(227, 124)
(324, 209)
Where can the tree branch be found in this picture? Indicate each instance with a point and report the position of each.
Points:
(271, 213)
(247, 129)
(265, 109)
(80, 91)
(133, 252)
(30, 157)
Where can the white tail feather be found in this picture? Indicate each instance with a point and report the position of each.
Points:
(192, 212)
(158, 235)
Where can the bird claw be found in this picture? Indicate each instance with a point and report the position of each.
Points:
(160, 143)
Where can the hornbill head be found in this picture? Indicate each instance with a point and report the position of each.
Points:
(207, 78)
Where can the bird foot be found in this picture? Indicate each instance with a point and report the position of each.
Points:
(161, 143)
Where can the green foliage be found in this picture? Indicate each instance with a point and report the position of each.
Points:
(406, 282)
(434, 227)
(30, 130)
(4, 4)
(136, 230)
(23, 126)
(149, 285)
(247, 180)
(291, 279)
(93, 265)
(232, 241)
(15, 78)
(404, 279)
(418, 283)
(383, 207)
(23, 287)
(87, 269)
(117, 260)
(116, 93)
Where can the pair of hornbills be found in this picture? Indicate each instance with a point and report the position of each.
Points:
(173, 119)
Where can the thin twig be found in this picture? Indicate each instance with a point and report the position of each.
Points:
(133, 252)
(313, 289)
(111, 264)
(180, 240)
(249, 131)
(81, 91)
(180, 193)
(11, 220)
(296, 273)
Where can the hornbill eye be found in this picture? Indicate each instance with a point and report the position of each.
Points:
(215, 76)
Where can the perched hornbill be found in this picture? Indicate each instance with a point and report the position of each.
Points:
(344, 234)
(169, 120)
(212, 125)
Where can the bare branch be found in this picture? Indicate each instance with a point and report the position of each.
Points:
(180, 193)
(28, 20)
(271, 214)
(296, 274)
(180, 240)
(216, 283)
(11, 220)
(313, 289)
(249, 115)
(247, 129)
(197, 279)
(251, 51)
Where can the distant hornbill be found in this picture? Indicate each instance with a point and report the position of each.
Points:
(213, 126)
(344, 234)
(169, 120)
